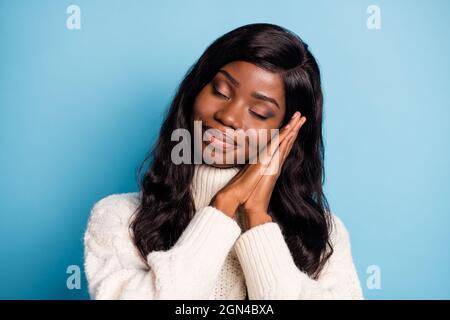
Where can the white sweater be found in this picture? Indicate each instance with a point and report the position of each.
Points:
(216, 257)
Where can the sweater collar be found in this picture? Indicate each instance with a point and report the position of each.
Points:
(208, 180)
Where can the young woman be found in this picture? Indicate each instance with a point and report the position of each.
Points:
(225, 230)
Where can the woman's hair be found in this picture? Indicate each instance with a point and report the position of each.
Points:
(298, 203)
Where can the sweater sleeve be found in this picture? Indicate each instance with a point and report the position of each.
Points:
(115, 270)
(271, 273)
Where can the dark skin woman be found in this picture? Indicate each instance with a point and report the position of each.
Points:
(231, 203)
(233, 99)
(258, 76)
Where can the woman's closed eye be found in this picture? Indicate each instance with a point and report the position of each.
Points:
(218, 93)
(257, 115)
(261, 114)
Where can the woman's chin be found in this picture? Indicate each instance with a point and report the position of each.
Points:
(223, 166)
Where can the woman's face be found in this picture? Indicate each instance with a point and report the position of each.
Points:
(240, 96)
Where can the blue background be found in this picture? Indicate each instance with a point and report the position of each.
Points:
(80, 108)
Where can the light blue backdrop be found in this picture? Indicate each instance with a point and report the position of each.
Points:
(80, 108)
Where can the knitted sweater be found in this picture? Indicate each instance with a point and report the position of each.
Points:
(216, 257)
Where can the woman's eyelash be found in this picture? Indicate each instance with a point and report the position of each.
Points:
(218, 93)
(258, 115)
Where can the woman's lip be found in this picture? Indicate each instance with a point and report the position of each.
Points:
(223, 145)
(220, 136)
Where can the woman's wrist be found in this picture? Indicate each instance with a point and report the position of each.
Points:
(225, 203)
(254, 220)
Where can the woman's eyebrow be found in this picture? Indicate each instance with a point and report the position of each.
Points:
(233, 81)
(260, 96)
(256, 95)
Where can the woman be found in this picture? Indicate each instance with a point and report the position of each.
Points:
(226, 229)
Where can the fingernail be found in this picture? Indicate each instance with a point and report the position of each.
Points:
(295, 114)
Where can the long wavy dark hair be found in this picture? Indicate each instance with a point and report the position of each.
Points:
(298, 203)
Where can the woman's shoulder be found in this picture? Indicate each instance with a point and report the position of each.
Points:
(339, 232)
(120, 201)
(114, 209)
(108, 232)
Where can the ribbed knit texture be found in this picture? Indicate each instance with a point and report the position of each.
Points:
(216, 257)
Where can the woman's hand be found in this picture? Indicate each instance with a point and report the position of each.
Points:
(256, 206)
(240, 189)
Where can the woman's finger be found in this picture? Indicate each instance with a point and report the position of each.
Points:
(279, 156)
(251, 174)
(268, 151)
(285, 148)
(288, 128)
(296, 131)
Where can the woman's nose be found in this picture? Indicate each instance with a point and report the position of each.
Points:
(231, 115)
